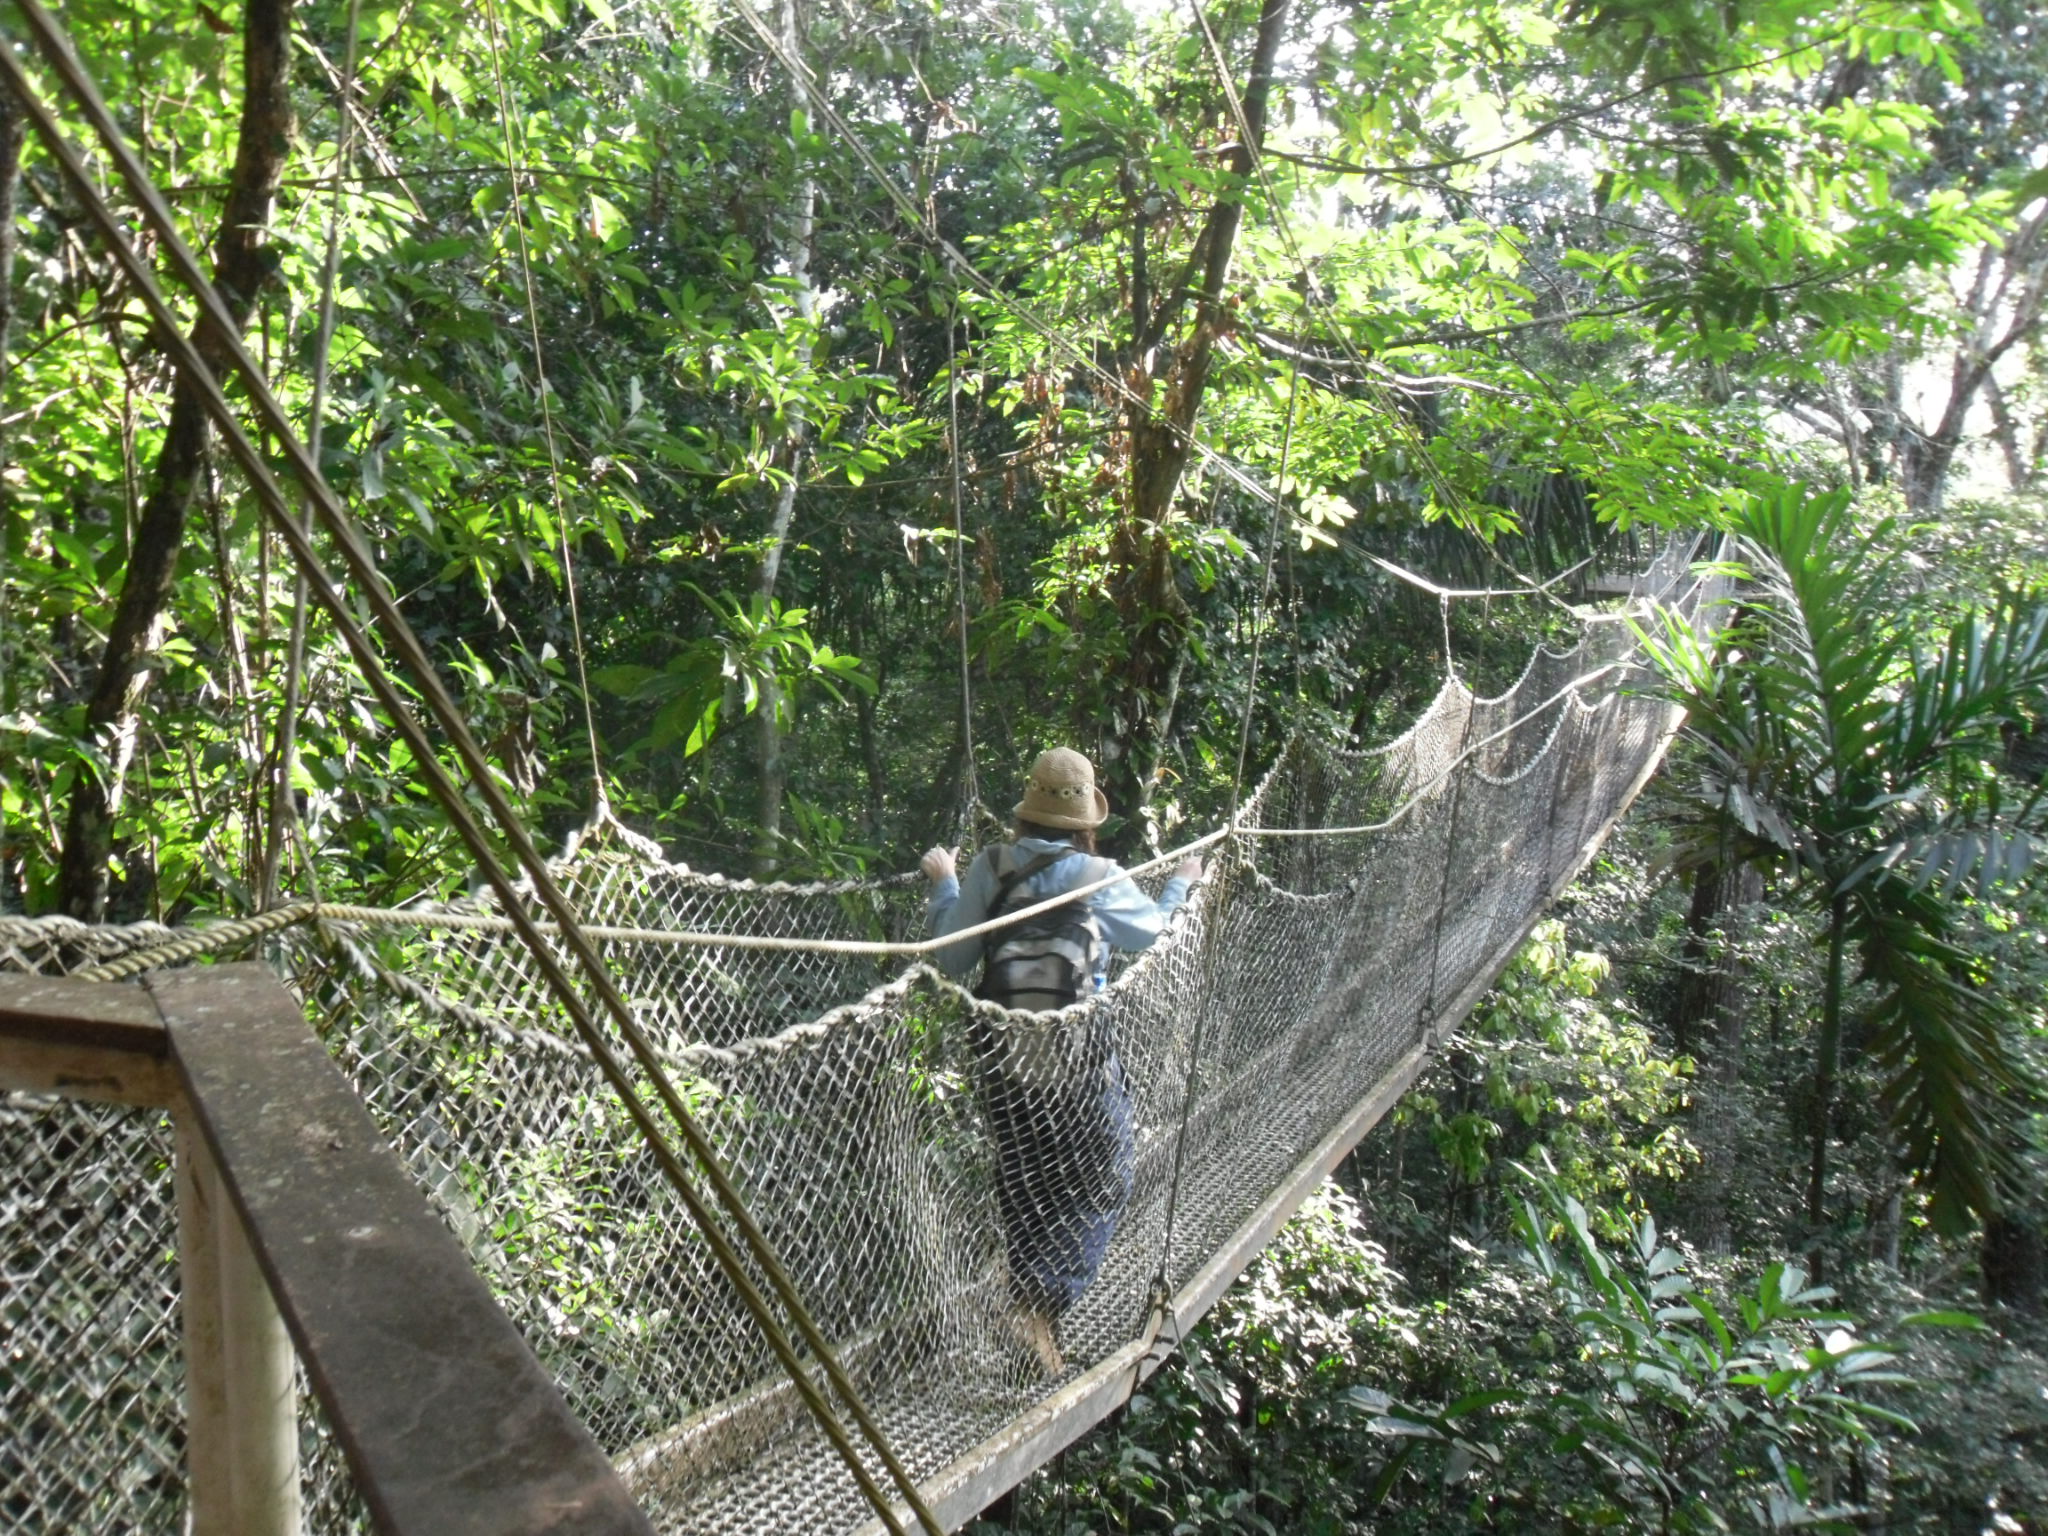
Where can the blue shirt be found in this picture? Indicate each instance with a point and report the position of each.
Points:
(1128, 917)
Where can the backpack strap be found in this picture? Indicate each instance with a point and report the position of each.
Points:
(1007, 884)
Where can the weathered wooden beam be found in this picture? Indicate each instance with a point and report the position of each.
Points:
(106, 1041)
(451, 1427)
(83, 1040)
(94, 1013)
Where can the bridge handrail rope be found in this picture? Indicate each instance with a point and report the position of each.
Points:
(223, 936)
(229, 933)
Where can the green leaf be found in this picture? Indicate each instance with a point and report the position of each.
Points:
(624, 680)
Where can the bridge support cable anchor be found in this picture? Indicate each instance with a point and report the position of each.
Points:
(348, 540)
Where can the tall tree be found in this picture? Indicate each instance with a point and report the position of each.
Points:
(1471, 317)
(1903, 412)
(1708, 1018)
(1174, 334)
(794, 243)
(243, 265)
(13, 128)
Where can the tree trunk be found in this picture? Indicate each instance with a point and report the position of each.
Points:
(1924, 462)
(773, 784)
(2013, 1260)
(1826, 1059)
(243, 264)
(12, 127)
(945, 796)
(874, 771)
(1144, 580)
(1707, 1019)
(1711, 987)
(2008, 297)
(2020, 466)
(1886, 1223)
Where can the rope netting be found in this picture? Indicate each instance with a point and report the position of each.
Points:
(918, 1159)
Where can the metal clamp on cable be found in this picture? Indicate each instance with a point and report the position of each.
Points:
(1162, 1327)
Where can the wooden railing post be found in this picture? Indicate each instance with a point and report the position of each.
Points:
(242, 1410)
(263, 1399)
(451, 1426)
(209, 1482)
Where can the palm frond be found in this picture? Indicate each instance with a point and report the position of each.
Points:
(1954, 1080)
(1949, 859)
(1838, 745)
(1990, 671)
(1826, 669)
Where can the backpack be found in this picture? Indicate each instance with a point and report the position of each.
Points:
(1044, 962)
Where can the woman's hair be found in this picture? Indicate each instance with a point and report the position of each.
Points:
(1082, 838)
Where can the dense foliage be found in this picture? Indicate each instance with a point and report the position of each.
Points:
(779, 427)
(612, 299)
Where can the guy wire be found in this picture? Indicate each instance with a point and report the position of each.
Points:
(600, 803)
(1277, 514)
(973, 782)
(1180, 1141)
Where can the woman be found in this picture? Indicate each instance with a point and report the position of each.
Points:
(1058, 1106)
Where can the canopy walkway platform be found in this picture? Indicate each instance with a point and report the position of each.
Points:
(426, 1276)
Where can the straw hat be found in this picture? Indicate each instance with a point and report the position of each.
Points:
(1061, 792)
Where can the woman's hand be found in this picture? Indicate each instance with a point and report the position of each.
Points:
(937, 865)
(1189, 868)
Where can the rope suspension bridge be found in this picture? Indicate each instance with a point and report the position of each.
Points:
(621, 1197)
(1359, 905)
